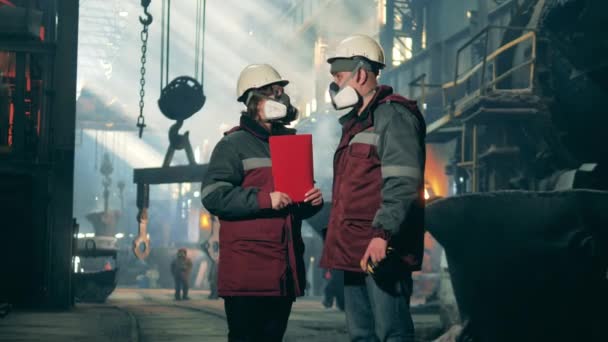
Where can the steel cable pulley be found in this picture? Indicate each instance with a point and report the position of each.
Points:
(184, 96)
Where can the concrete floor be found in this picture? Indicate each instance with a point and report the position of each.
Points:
(152, 315)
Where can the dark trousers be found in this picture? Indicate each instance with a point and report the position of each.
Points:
(255, 319)
(181, 286)
(335, 289)
(378, 313)
(212, 278)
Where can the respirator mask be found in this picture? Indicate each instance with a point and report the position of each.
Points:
(278, 109)
(346, 96)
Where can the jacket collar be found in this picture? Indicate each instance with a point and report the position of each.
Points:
(367, 115)
(254, 127)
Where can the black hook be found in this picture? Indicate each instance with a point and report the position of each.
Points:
(148, 19)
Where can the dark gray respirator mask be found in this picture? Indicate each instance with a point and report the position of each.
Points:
(291, 114)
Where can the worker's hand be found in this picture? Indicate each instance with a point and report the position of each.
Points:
(314, 197)
(376, 250)
(279, 200)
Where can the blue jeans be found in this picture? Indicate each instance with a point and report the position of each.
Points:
(378, 312)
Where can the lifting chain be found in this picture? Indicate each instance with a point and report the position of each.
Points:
(144, 47)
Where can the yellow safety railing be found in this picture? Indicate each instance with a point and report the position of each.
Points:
(449, 92)
(484, 84)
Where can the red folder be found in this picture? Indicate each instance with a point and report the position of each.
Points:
(292, 168)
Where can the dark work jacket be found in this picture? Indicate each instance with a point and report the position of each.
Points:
(262, 249)
(181, 268)
(378, 188)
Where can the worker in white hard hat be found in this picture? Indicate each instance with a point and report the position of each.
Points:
(261, 270)
(375, 232)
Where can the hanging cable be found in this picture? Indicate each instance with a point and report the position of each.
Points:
(203, 44)
(168, 36)
(114, 148)
(197, 37)
(165, 43)
(162, 46)
(96, 146)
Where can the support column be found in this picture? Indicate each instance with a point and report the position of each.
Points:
(63, 123)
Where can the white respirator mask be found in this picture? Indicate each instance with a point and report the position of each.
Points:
(345, 97)
(274, 110)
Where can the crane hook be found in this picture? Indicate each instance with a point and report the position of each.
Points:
(148, 20)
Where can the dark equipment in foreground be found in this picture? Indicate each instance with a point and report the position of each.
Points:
(97, 285)
(527, 266)
(5, 308)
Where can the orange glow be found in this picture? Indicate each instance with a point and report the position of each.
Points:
(204, 221)
(435, 173)
(429, 248)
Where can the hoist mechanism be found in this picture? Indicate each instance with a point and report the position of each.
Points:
(179, 100)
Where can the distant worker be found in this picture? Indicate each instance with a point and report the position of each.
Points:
(261, 268)
(377, 199)
(181, 268)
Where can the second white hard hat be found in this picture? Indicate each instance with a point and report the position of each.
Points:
(359, 46)
(256, 76)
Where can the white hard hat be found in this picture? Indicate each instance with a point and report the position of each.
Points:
(255, 76)
(359, 46)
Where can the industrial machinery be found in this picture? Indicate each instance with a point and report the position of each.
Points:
(528, 265)
(180, 99)
(95, 269)
(95, 266)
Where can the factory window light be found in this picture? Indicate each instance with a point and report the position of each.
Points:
(313, 105)
(402, 50)
(382, 12)
(423, 43)
(197, 154)
(397, 59)
(307, 109)
(408, 47)
(319, 52)
(76, 264)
